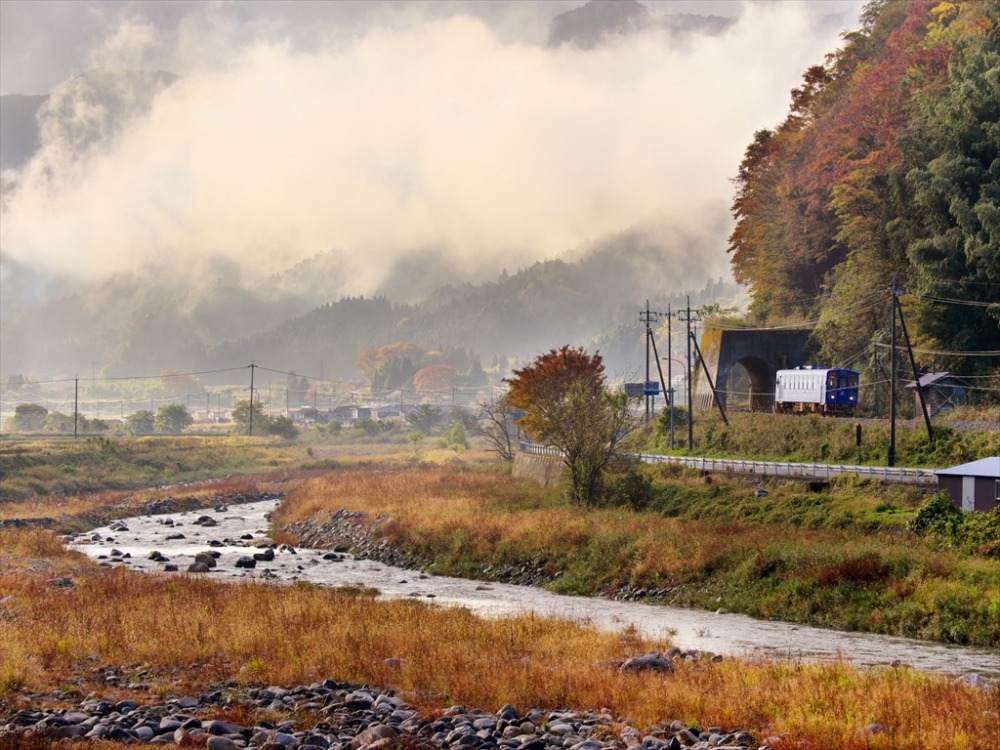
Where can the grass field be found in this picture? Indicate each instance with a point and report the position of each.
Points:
(845, 555)
(185, 634)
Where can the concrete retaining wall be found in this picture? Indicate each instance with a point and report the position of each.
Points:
(544, 469)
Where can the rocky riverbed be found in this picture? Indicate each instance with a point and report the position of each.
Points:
(337, 716)
(233, 542)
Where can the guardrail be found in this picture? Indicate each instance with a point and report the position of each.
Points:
(894, 475)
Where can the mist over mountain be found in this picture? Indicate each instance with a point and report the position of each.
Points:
(311, 161)
(592, 302)
(599, 21)
(132, 325)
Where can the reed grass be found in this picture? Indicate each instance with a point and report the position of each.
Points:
(461, 522)
(38, 468)
(271, 634)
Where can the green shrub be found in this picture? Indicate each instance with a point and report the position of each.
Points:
(632, 489)
(940, 521)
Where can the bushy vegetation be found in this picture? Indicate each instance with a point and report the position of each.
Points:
(943, 523)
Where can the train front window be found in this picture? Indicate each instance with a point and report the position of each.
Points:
(831, 380)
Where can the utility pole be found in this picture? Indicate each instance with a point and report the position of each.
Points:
(252, 368)
(647, 317)
(76, 402)
(670, 371)
(688, 319)
(891, 458)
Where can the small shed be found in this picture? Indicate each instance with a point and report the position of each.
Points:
(973, 486)
(942, 390)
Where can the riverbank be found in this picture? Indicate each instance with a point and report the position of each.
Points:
(128, 656)
(74, 631)
(495, 528)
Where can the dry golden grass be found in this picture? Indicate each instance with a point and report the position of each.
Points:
(294, 634)
(186, 632)
(65, 509)
(36, 551)
(437, 505)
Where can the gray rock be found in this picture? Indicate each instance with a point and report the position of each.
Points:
(221, 743)
(219, 727)
(197, 567)
(207, 558)
(373, 733)
(647, 662)
(144, 734)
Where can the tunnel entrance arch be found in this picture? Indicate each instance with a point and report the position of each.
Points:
(759, 354)
(749, 385)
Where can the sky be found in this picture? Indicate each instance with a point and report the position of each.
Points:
(389, 129)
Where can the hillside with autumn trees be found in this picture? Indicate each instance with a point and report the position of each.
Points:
(886, 166)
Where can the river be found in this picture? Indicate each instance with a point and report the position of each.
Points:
(720, 633)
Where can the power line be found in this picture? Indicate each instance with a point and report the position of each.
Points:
(951, 301)
(861, 305)
(944, 353)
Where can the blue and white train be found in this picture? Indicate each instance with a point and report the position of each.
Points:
(816, 389)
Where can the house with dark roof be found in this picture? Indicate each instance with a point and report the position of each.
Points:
(973, 486)
(942, 390)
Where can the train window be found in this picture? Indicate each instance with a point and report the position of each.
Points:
(831, 380)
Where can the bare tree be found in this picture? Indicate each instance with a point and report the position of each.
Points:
(495, 423)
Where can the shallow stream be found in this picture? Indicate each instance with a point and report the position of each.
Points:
(729, 634)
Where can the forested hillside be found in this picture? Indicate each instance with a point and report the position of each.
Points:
(590, 303)
(886, 166)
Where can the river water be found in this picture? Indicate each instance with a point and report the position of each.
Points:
(729, 634)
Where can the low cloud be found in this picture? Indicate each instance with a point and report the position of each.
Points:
(439, 136)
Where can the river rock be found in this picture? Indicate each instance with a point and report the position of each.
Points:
(647, 663)
(206, 558)
(197, 567)
(373, 733)
(222, 743)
